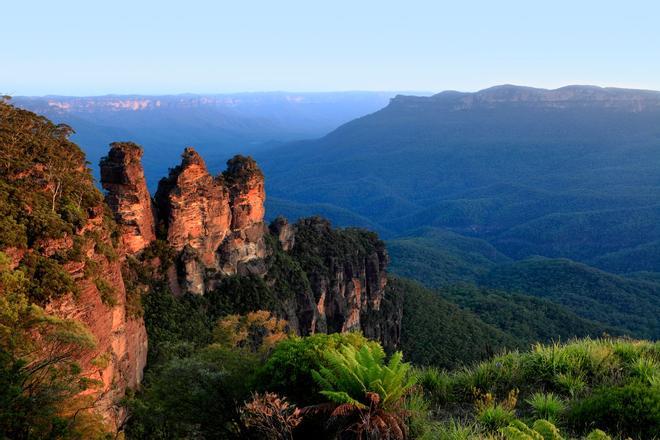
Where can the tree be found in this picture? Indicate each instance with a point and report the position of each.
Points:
(41, 382)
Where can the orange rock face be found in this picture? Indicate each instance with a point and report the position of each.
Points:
(215, 223)
(122, 176)
(195, 208)
(121, 339)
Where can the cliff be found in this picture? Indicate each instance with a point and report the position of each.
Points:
(101, 303)
(68, 251)
(214, 223)
(318, 278)
(122, 177)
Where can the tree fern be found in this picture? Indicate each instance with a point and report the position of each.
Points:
(363, 387)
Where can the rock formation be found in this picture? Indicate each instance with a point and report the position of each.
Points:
(215, 223)
(349, 285)
(121, 338)
(216, 226)
(122, 177)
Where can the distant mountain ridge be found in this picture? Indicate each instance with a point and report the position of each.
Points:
(565, 173)
(218, 125)
(563, 97)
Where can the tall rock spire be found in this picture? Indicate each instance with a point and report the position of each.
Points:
(216, 223)
(122, 176)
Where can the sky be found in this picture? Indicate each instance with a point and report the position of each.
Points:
(156, 47)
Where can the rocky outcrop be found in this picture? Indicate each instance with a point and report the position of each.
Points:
(120, 355)
(245, 249)
(284, 232)
(215, 223)
(122, 176)
(323, 279)
(347, 274)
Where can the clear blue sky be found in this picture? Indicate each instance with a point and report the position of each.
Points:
(116, 46)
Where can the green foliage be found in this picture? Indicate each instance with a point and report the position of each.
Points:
(352, 373)
(176, 326)
(319, 247)
(40, 381)
(592, 294)
(588, 383)
(542, 430)
(288, 277)
(527, 318)
(436, 383)
(434, 331)
(240, 294)
(289, 368)
(194, 396)
(107, 292)
(517, 430)
(48, 279)
(572, 182)
(455, 430)
(495, 417)
(547, 406)
(45, 186)
(632, 409)
(547, 430)
(440, 258)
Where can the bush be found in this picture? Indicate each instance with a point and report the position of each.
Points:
(288, 370)
(547, 406)
(435, 383)
(48, 279)
(240, 295)
(494, 415)
(366, 393)
(632, 410)
(270, 417)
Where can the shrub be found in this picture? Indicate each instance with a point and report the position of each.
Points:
(270, 417)
(435, 383)
(418, 416)
(366, 394)
(288, 370)
(542, 430)
(48, 278)
(494, 415)
(547, 430)
(257, 331)
(454, 430)
(547, 406)
(106, 291)
(632, 409)
(517, 430)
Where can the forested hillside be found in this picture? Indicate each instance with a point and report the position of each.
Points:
(560, 173)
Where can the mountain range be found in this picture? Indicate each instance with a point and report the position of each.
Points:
(566, 173)
(219, 125)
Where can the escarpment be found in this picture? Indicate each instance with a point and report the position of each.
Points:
(318, 278)
(67, 252)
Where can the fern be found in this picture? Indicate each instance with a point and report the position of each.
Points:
(362, 386)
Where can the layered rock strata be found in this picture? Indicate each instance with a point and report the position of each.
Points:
(122, 177)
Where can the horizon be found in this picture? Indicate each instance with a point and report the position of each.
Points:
(330, 92)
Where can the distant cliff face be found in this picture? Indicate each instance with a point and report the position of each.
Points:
(569, 97)
(215, 224)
